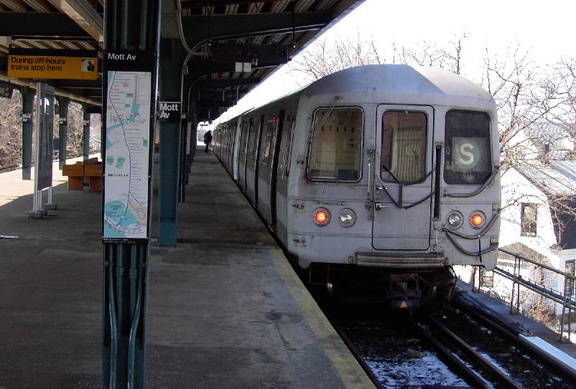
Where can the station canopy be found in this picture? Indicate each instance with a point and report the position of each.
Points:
(239, 43)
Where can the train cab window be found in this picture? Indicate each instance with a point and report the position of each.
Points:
(467, 151)
(335, 150)
(404, 146)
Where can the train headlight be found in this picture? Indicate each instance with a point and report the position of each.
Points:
(477, 219)
(346, 217)
(455, 219)
(322, 217)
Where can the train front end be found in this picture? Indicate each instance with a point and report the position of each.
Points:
(397, 181)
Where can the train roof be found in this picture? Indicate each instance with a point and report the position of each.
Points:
(395, 84)
(401, 83)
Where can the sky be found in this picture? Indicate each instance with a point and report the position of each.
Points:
(547, 27)
(546, 31)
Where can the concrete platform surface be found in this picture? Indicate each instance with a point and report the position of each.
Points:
(225, 309)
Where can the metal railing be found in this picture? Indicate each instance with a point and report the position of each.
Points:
(567, 298)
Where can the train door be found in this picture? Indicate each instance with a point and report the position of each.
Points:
(236, 149)
(252, 159)
(274, 172)
(242, 156)
(403, 182)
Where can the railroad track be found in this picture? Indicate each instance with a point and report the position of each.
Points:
(463, 358)
(454, 350)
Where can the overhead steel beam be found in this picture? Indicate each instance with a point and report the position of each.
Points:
(82, 12)
(57, 91)
(201, 85)
(198, 29)
(39, 24)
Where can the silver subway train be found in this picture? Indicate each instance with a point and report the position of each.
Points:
(376, 179)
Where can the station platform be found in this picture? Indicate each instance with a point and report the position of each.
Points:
(225, 309)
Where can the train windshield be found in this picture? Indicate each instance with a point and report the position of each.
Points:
(335, 151)
(404, 146)
(467, 155)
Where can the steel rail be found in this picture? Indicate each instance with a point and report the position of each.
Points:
(474, 356)
(468, 374)
(358, 356)
(513, 333)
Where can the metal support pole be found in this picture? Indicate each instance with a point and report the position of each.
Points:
(27, 127)
(85, 132)
(516, 265)
(63, 104)
(125, 288)
(131, 50)
(170, 153)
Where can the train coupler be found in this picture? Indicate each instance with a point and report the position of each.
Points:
(404, 291)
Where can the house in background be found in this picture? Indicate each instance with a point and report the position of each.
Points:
(539, 207)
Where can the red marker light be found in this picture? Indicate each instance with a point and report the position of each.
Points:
(321, 217)
(477, 220)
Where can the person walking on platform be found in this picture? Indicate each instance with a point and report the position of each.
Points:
(207, 140)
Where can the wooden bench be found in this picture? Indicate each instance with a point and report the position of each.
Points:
(75, 174)
(89, 172)
(93, 172)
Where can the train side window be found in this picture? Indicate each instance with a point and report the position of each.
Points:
(252, 139)
(404, 146)
(243, 143)
(267, 141)
(335, 149)
(286, 149)
(467, 152)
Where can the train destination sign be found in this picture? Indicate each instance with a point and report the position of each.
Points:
(52, 67)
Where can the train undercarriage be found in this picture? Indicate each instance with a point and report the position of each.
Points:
(398, 288)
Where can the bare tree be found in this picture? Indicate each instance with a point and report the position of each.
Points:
(328, 56)
(75, 136)
(561, 89)
(433, 55)
(10, 132)
(524, 99)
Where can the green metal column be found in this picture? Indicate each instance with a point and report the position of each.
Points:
(63, 104)
(27, 128)
(85, 132)
(131, 33)
(170, 143)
